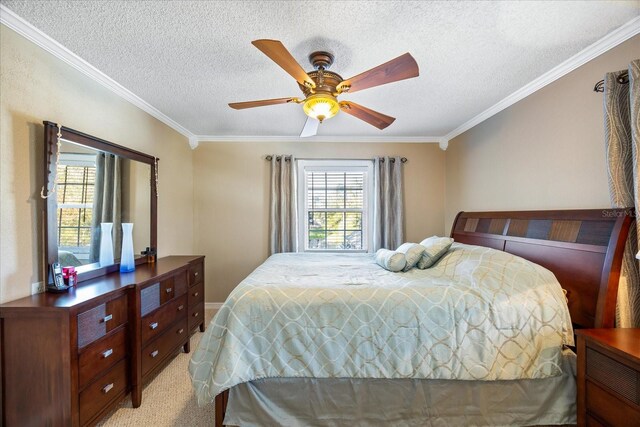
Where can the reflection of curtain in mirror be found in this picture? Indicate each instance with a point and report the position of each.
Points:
(107, 202)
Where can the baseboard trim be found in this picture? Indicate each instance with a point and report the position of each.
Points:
(212, 305)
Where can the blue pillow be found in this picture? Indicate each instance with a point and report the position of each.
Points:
(435, 248)
(413, 252)
(390, 260)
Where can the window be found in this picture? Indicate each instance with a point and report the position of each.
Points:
(334, 202)
(76, 179)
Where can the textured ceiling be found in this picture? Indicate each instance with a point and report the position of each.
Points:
(189, 59)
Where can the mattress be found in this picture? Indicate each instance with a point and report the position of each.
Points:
(478, 314)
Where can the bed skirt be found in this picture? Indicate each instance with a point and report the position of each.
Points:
(404, 402)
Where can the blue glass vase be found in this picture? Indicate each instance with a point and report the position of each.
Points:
(127, 262)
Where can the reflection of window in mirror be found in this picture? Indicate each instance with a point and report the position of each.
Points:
(76, 179)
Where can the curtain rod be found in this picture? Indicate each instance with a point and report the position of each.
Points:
(269, 157)
(623, 79)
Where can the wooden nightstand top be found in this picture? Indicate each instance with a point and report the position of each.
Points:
(623, 341)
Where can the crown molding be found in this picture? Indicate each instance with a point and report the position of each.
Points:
(24, 28)
(367, 139)
(606, 43)
(31, 33)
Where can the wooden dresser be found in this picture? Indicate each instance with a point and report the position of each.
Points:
(67, 359)
(609, 377)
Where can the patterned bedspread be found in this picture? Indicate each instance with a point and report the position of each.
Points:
(479, 314)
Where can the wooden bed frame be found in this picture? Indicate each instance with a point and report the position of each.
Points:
(583, 248)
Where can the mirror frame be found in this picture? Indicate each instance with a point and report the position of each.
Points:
(50, 228)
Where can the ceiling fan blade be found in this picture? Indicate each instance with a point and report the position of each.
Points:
(261, 103)
(400, 68)
(374, 118)
(310, 127)
(279, 54)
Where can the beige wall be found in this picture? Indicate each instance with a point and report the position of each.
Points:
(544, 152)
(231, 182)
(35, 86)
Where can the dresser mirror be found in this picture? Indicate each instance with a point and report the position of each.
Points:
(90, 181)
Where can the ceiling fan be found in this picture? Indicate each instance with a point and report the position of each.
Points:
(321, 87)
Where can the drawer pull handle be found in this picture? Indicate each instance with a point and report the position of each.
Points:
(196, 274)
(107, 388)
(196, 314)
(107, 318)
(181, 330)
(107, 353)
(154, 353)
(196, 294)
(153, 325)
(180, 307)
(169, 290)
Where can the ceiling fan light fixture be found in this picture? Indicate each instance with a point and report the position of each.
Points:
(321, 106)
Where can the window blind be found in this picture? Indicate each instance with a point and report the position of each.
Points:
(75, 205)
(335, 207)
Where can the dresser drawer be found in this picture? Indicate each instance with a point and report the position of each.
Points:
(96, 322)
(196, 315)
(173, 287)
(153, 324)
(153, 296)
(149, 299)
(196, 274)
(622, 380)
(164, 345)
(196, 294)
(102, 391)
(101, 355)
(609, 408)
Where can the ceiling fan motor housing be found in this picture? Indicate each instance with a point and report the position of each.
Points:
(326, 82)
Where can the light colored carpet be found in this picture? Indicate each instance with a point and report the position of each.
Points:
(168, 399)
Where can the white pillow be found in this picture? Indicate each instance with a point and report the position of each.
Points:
(413, 253)
(390, 260)
(435, 247)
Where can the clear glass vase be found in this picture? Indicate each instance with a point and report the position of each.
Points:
(106, 244)
(127, 263)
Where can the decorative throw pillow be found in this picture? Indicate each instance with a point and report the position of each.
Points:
(390, 260)
(412, 252)
(435, 247)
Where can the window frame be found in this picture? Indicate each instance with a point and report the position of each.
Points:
(342, 165)
(77, 160)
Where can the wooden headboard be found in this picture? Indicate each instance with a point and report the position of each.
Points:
(583, 248)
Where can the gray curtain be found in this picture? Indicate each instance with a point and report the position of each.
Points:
(282, 213)
(388, 218)
(107, 202)
(622, 139)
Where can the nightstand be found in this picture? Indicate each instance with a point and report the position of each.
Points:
(608, 377)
